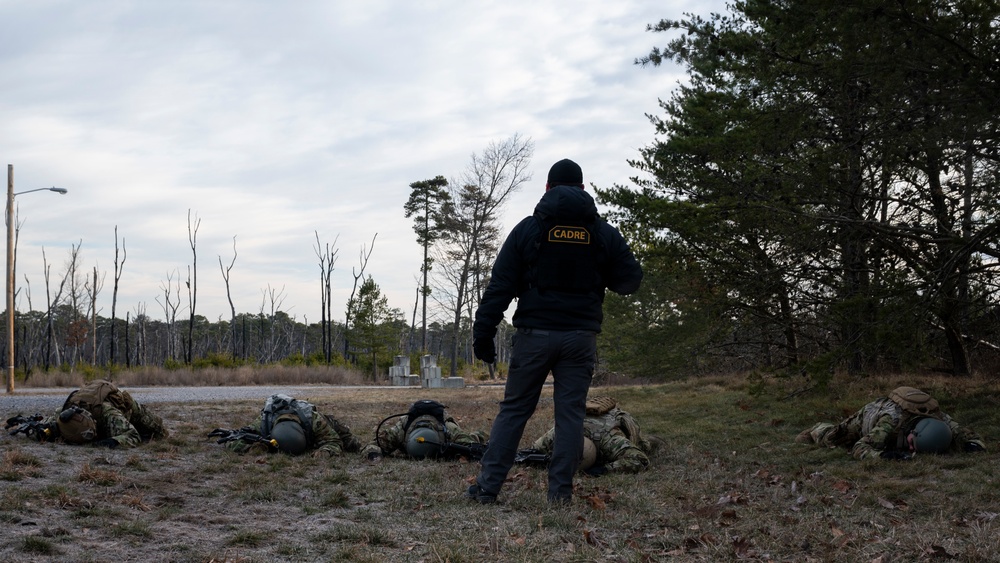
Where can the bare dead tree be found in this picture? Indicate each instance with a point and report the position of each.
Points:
(232, 308)
(275, 298)
(192, 282)
(93, 289)
(140, 341)
(52, 300)
(78, 326)
(327, 259)
(119, 267)
(365, 254)
(170, 311)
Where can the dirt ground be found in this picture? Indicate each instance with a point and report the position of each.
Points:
(186, 498)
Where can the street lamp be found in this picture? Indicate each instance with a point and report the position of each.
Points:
(10, 268)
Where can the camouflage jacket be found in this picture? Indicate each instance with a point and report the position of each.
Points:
(616, 450)
(124, 420)
(393, 438)
(329, 435)
(879, 423)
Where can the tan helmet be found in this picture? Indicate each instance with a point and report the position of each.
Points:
(76, 426)
(589, 456)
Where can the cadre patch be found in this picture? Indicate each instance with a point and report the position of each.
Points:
(573, 235)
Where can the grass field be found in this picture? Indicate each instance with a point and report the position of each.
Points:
(728, 485)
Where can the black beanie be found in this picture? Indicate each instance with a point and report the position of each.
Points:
(565, 173)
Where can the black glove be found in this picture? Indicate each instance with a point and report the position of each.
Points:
(596, 470)
(109, 443)
(896, 455)
(484, 349)
(971, 447)
(374, 456)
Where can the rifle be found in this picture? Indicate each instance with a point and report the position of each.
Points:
(32, 427)
(531, 456)
(245, 434)
(472, 451)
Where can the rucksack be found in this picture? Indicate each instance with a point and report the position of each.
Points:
(569, 255)
(278, 405)
(914, 401)
(424, 407)
(92, 395)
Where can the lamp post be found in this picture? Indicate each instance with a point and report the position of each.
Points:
(10, 268)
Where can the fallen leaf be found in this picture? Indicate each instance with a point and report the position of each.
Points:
(937, 551)
(887, 504)
(596, 503)
(837, 532)
(591, 537)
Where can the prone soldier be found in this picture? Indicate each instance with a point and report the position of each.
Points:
(426, 430)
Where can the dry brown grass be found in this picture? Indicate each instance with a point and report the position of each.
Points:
(211, 376)
(729, 484)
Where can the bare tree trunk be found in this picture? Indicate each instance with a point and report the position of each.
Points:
(192, 283)
(119, 267)
(365, 255)
(229, 296)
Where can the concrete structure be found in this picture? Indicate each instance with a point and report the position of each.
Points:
(430, 375)
(399, 373)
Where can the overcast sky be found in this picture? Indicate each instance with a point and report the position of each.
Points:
(273, 122)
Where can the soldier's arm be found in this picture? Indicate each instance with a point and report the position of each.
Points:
(621, 455)
(350, 441)
(387, 441)
(544, 443)
(874, 443)
(117, 427)
(239, 446)
(962, 437)
(464, 437)
(326, 439)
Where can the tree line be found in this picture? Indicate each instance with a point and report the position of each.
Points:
(822, 193)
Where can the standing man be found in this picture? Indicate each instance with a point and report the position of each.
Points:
(557, 263)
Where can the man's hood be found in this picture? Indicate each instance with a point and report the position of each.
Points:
(566, 202)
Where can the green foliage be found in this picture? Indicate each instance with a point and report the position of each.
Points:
(816, 188)
(375, 326)
(215, 360)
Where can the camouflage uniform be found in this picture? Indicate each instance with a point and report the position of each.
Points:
(620, 445)
(328, 435)
(394, 438)
(879, 426)
(118, 417)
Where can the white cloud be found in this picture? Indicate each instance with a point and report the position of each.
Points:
(273, 122)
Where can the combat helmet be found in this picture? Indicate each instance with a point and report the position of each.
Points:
(931, 435)
(424, 441)
(76, 425)
(290, 435)
(589, 456)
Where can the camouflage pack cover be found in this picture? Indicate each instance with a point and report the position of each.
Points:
(596, 406)
(93, 394)
(914, 401)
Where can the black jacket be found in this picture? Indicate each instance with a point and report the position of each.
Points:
(553, 310)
